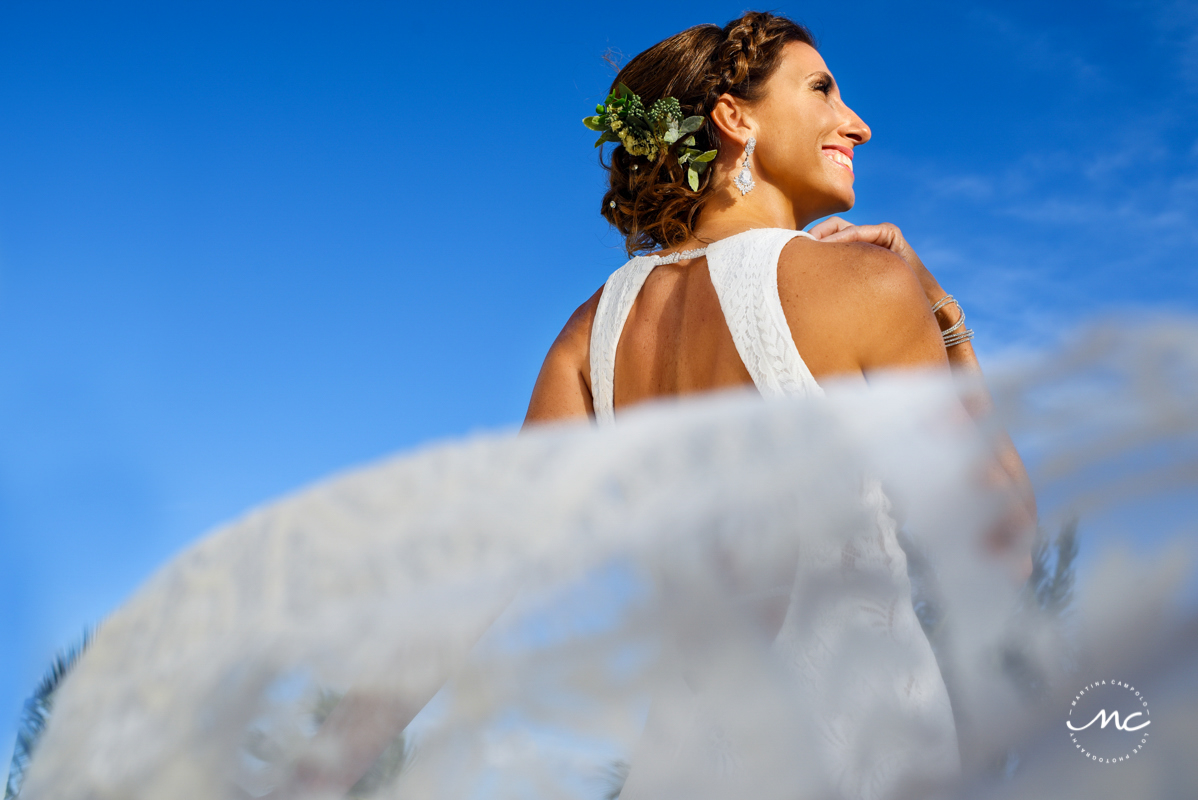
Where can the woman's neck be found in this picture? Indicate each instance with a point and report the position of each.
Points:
(728, 213)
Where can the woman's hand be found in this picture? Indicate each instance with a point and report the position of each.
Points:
(835, 229)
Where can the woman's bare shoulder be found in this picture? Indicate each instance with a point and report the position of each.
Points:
(847, 274)
(866, 299)
(563, 387)
(866, 266)
(575, 336)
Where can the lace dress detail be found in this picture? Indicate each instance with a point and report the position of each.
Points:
(845, 597)
(744, 271)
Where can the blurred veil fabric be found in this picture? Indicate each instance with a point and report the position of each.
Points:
(712, 590)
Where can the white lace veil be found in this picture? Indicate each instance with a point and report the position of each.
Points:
(560, 579)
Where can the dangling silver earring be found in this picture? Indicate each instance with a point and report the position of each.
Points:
(744, 180)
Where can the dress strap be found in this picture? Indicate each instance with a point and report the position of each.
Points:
(744, 271)
(619, 293)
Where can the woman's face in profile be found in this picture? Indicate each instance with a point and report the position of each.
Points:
(807, 134)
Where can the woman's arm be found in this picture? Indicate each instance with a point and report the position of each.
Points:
(563, 387)
(907, 334)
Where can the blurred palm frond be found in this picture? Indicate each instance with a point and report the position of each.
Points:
(36, 713)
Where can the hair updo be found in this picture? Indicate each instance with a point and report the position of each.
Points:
(651, 202)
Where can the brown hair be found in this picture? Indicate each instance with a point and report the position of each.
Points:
(654, 206)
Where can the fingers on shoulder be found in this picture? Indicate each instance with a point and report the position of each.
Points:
(854, 259)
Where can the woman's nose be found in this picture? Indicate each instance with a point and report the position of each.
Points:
(855, 128)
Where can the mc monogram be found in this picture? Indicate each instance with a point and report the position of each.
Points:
(1103, 744)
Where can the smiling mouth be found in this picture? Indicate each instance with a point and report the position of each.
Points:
(838, 157)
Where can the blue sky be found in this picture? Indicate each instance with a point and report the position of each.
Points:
(245, 245)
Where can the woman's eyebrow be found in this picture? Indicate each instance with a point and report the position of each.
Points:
(824, 74)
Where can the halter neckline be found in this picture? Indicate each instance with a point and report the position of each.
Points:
(674, 258)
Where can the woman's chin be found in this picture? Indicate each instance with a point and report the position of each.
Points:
(824, 199)
(840, 202)
(838, 186)
(838, 192)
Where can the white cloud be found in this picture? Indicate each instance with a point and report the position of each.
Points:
(970, 187)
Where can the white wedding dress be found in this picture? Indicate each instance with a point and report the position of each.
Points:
(905, 682)
(579, 595)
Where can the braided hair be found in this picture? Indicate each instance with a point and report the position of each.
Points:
(650, 203)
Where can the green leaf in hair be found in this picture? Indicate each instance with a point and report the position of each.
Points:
(623, 118)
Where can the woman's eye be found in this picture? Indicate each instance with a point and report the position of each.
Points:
(823, 86)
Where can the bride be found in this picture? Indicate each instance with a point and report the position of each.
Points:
(739, 294)
(728, 142)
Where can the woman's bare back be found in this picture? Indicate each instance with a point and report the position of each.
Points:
(849, 307)
(675, 340)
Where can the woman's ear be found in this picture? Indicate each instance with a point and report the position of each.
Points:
(731, 118)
